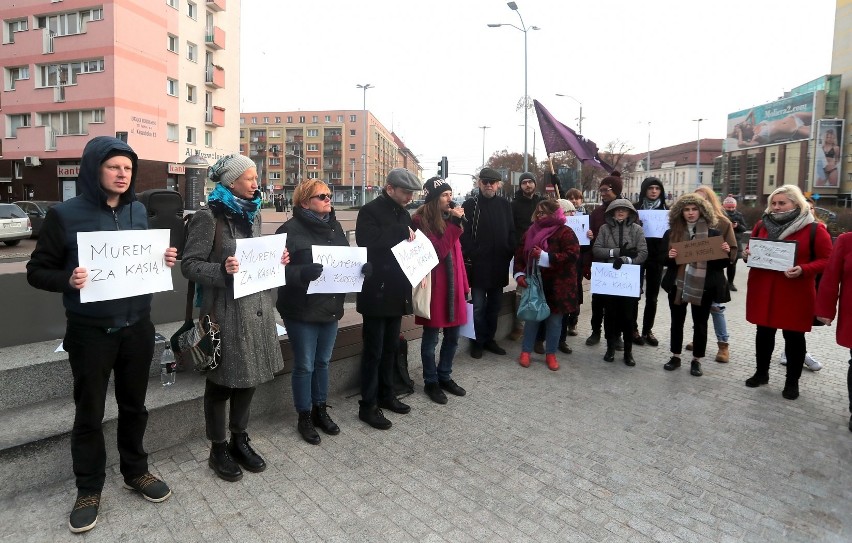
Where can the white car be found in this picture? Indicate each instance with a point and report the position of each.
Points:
(14, 224)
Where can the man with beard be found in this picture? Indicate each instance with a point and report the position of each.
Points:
(523, 207)
(488, 245)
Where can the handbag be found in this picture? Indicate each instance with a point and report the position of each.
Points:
(199, 343)
(533, 306)
(421, 297)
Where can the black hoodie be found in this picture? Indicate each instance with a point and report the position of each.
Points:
(656, 251)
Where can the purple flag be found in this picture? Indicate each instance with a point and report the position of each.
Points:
(558, 137)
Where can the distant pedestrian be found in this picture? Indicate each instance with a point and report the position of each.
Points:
(740, 227)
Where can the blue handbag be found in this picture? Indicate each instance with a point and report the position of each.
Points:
(533, 306)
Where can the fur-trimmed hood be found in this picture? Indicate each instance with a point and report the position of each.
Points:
(676, 212)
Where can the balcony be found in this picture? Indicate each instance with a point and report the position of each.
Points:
(333, 137)
(215, 38)
(215, 116)
(331, 153)
(216, 5)
(214, 76)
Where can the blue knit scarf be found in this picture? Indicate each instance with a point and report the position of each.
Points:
(239, 206)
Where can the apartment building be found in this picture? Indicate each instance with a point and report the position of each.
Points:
(158, 73)
(678, 167)
(330, 145)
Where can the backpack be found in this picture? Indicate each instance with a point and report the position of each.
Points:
(400, 379)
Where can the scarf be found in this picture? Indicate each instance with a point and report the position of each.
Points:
(247, 209)
(781, 225)
(316, 216)
(451, 287)
(690, 277)
(652, 204)
(542, 229)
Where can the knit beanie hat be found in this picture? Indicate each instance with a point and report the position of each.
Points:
(433, 188)
(566, 205)
(229, 168)
(613, 181)
(524, 176)
(730, 200)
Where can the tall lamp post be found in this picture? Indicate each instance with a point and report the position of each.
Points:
(363, 151)
(698, 153)
(483, 127)
(523, 28)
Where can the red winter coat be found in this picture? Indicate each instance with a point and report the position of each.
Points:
(836, 284)
(559, 280)
(775, 301)
(438, 308)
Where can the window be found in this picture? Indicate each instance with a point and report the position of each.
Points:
(301, 118)
(772, 158)
(191, 95)
(16, 74)
(11, 27)
(192, 10)
(313, 147)
(208, 138)
(313, 132)
(314, 119)
(254, 120)
(352, 133)
(65, 123)
(328, 118)
(191, 51)
(55, 75)
(65, 24)
(289, 119)
(173, 43)
(771, 180)
(242, 121)
(277, 120)
(351, 162)
(274, 176)
(97, 115)
(313, 175)
(171, 87)
(274, 133)
(266, 120)
(274, 161)
(311, 161)
(14, 122)
(351, 146)
(353, 118)
(190, 134)
(340, 118)
(336, 175)
(172, 3)
(171, 132)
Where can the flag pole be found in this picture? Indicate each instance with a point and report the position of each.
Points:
(553, 176)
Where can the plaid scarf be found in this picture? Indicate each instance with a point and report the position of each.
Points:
(691, 276)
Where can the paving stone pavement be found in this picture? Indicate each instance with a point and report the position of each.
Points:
(592, 452)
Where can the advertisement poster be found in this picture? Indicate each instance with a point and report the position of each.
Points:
(827, 163)
(783, 121)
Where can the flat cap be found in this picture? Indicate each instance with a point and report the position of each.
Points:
(490, 174)
(404, 179)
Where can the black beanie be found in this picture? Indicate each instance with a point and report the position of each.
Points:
(613, 181)
(433, 188)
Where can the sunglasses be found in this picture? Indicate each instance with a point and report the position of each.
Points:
(322, 196)
(489, 181)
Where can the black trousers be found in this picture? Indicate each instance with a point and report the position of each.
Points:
(380, 336)
(597, 312)
(700, 316)
(732, 271)
(652, 275)
(216, 398)
(618, 319)
(94, 354)
(794, 347)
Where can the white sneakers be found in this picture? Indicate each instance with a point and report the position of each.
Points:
(810, 362)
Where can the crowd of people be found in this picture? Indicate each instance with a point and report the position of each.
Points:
(474, 244)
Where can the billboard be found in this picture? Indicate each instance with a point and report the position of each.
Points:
(827, 163)
(782, 121)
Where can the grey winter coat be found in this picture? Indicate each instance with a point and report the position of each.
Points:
(251, 353)
(615, 236)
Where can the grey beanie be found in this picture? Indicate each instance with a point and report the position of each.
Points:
(404, 179)
(229, 168)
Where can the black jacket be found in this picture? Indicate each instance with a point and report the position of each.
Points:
(381, 224)
(522, 210)
(489, 241)
(303, 231)
(657, 251)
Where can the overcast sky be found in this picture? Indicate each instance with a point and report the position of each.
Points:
(440, 73)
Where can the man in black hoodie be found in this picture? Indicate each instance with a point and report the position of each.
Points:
(113, 336)
(523, 207)
(652, 196)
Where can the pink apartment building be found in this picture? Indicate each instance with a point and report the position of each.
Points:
(156, 72)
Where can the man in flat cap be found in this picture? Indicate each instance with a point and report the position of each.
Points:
(488, 245)
(386, 294)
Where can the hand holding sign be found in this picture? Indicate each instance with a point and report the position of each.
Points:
(258, 265)
(416, 258)
(337, 269)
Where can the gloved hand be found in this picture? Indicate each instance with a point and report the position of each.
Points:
(536, 252)
(367, 270)
(310, 272)
(521, 281)
(631, 252)
(617, 264)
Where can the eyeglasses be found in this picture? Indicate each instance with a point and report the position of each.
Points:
(489, 181)
(322, 196)
(604, 189)
(527, 181)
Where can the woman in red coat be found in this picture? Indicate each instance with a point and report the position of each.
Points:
(440, 220)
(556, 248)
(786, 299)
(836, 285)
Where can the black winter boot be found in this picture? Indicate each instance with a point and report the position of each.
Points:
(306, 428)
(320, 418)
(244, 454)
(222, 464)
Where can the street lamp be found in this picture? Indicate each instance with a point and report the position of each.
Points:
(523, 28)
(483, 127)
(698, 153)
(363, 151)
(580, 118)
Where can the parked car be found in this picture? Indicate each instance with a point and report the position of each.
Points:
(14, 224)
(825, 215)
(36, 210)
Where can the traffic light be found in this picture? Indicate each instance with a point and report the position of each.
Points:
(443, 168)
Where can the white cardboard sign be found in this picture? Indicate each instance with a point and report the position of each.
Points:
(655, 222)
(123, 263)
(621, 282)
(341, 269)
(416, 258)
(580, 225)
(779, 255)
(260, 264)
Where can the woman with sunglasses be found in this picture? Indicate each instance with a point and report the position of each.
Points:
(251, 354)
(311, 319)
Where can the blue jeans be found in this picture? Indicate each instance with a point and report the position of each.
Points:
(428, 342)
(312, 343)
(486, 309)
(720, 324)
(554, 327)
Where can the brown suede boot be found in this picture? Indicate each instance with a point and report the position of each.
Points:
(722, 355)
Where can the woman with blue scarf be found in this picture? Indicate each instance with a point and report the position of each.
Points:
(251, 354)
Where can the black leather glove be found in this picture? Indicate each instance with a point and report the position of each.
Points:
(310, 272)
(367, 270)
(617, 264)
(631, 253)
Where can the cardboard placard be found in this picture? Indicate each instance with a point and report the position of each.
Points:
(778, 255)
(700, 250)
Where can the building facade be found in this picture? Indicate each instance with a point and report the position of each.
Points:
(676, 166)
(156, 73)
(289, 146)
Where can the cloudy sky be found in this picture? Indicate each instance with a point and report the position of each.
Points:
(440, 73)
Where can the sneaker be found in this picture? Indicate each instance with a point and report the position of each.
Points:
(812, 363)
(594, 339)
(452, 387)
(651, 339)
(151, 488)
(84, 516)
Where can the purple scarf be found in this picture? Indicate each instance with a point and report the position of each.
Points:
(542, 229)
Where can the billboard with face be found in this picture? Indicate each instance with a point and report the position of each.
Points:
(782, 121)
(827, 163)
